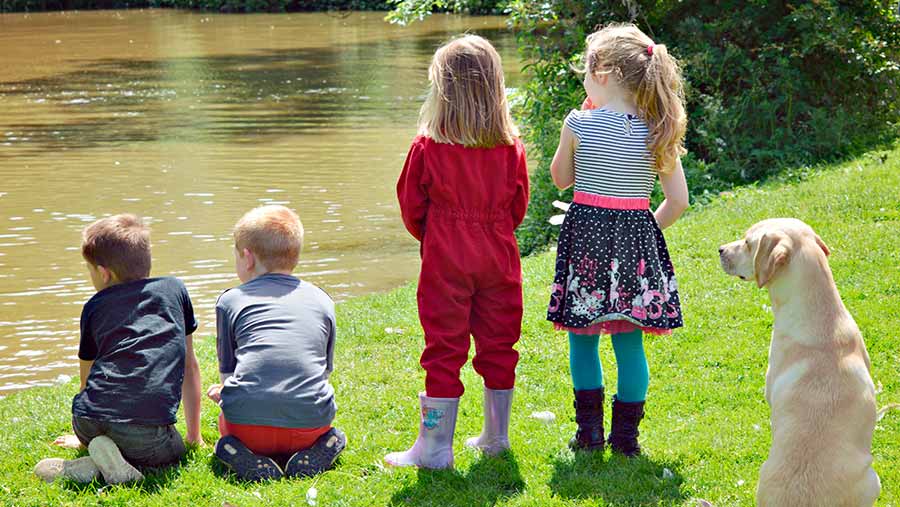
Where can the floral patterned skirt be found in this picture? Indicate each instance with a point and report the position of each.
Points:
(613, 274)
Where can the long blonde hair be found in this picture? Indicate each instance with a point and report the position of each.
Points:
(652, 77)
(466, 102)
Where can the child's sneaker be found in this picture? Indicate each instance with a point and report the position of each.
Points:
(79, 470)
(319, 457)
(109, 460)
(245, 464)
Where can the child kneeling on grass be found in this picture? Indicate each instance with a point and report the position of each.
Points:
(276, 348)
(136, 359)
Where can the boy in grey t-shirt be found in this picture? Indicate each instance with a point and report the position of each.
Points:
(276, 347)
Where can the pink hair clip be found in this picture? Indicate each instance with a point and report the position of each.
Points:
(650, 49)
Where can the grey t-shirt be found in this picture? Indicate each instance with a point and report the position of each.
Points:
(276, 341)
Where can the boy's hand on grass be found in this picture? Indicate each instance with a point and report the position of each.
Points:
(68, 442)
(214, 392)
(196, 440)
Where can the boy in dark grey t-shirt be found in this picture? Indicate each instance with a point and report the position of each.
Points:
(136, 359)
(275, 345)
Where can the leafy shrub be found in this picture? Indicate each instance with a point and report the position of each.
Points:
(406, 11)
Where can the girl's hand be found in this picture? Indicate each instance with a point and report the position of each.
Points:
(68, 442)
(675, 189)
(587, 104)
(214, 392)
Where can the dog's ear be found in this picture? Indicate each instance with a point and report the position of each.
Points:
(823, 246)
(772, 252)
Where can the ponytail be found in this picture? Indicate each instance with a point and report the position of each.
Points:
(660, 99)
(654, 79)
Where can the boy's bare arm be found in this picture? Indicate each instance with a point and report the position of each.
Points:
(84, 368)
(71, 441)
(190, 394)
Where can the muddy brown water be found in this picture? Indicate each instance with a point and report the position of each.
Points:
(190, 119)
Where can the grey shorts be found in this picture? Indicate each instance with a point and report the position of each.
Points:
(142, 446)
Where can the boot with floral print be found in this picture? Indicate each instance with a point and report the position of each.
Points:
(434, 446)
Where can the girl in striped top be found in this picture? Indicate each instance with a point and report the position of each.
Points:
(613, 272)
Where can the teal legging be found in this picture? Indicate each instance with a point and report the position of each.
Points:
(587, 372)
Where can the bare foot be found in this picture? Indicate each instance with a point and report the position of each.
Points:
(68, 441)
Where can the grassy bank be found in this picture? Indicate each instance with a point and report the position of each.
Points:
(706, 432)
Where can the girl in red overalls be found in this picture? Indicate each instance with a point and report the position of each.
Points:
(462, 193)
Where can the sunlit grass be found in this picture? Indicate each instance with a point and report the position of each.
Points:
(706, 431)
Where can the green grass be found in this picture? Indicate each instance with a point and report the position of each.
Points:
(707, 421)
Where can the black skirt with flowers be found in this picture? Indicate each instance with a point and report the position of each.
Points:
(613, 274)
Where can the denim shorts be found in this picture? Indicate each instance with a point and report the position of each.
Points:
(141, 445)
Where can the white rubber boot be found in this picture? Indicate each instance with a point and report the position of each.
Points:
(109, 460)
(434, 446)
(494, 438)
(79, 470)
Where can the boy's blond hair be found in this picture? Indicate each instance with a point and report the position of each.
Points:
(274, 234)
(466, 102)
(652, 76)
(121, 244)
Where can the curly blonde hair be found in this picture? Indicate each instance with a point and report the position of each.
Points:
(652, 76)
(466, 102)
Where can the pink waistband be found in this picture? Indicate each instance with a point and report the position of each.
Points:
(605, 201)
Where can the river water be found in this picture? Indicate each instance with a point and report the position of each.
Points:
(190, 119)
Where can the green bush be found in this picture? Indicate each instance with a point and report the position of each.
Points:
(406, 11)
(769, 84)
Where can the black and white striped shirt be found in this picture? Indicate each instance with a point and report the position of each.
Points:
(612, 157)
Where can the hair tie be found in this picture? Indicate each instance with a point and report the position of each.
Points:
(650, 49)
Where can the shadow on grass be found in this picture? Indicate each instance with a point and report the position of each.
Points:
(616, 479)
(487, 481)
(155, 479)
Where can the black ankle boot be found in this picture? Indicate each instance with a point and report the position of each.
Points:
(625, 420)
(589, 416)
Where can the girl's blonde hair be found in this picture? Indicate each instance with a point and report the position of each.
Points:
(652, 76)
(466, 102)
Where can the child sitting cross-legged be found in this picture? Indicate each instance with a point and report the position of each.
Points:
(276, 347)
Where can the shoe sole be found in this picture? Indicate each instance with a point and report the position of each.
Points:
(109, 460)
(245, 464)
(319, 457)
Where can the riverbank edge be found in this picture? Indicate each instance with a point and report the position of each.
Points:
(706, 382)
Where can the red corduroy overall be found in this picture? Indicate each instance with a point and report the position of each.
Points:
(463, 205)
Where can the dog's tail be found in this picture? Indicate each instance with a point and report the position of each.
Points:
(885, 409)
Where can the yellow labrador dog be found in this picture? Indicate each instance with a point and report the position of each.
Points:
(818, 383)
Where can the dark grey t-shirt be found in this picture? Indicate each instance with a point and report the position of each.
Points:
(134, 332)
(276, 341)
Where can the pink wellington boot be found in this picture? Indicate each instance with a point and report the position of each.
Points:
(494, 438)
(434, 446)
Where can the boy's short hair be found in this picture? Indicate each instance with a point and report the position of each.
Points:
(121, 244)
(273, 233)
